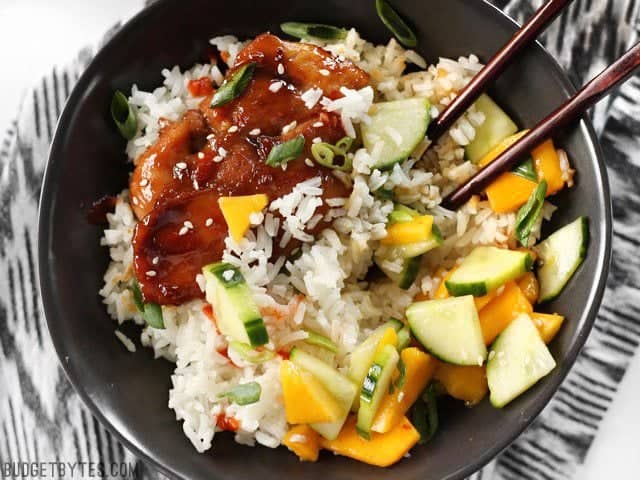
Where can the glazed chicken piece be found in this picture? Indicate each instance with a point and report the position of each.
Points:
(201, 158)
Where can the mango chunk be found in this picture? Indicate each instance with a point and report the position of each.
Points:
(499, 312)
(419, 368)
(530, 287)
(467, 383)
(237, 212)
(496, 151)
(548, 324)
(509, 192)
(304, 441)
(382, 450)
(547, 166)
(305, 399)
(417, 230)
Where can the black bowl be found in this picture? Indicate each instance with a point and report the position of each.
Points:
(129, 392)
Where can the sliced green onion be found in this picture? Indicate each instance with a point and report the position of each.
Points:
(151, 312)
(325, 155)
(424, 414)
(320, 31)
(137, 295)
(384, 194)
(530, 213)
(396, 24)
(343, 145)
(320, 341)
(286, 151)
(233, 87)
(250, 354)
(123, 115)
(404, 338)
(153, 315)
(244, 393)
(526, 170)
(402, 369)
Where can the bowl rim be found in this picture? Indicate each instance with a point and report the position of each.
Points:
(49, 301)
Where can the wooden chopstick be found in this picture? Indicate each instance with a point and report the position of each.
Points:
(571, 110)
(523, 37)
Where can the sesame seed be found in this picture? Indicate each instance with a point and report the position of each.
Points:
(280, 69)
(135, 200)
(200, 155)
(211, 136)
(324, 72)
(222, 152)
(318, 125)
(151, 273)
(217, 159)
(316, 140)
(208, 222)
(308, 162)
(255, 131)
(181, 165)
(183, 231)
(188, 224)
(144, 182)
(155, 260)
(289, 127)
(196, 185)
(152, 157)
(232, 129)
(276, 86)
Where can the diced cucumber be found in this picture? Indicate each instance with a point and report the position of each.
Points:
(404, 335)
(362, 355)
(402, 271)
(449, 329)
(237, 315)
(496, 127)
(487, 268)
(518, 359)
(320, 341)
(560, 255)
(398, 127)
(402, 213)
(375, 386)
(339, 386)
(406, 257)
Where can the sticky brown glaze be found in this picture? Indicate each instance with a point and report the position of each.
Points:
(157, 168)
(231, 163)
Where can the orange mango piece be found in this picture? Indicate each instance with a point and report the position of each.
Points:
(237, 212)
(467, 383)
(417, 230)
(530, 287)
(509, 192)
(499, 312)
(382, 450)
(304, 441)
(419, 368)
(548, 324)
(547, 166)
(495, 152)
(305, 398)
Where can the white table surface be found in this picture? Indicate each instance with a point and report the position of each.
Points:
(36, 34)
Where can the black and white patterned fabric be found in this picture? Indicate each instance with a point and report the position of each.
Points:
(42, 419)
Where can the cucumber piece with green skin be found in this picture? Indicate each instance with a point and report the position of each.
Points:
(375, 386)
(487, 268)
(237, 315)
(404, 270)
(560, 255)
(362, 355)
(402, 214)
(449, 329)
(339, 386)
(518, 359)
(404, 338)
(320, 341)
(496, 127)
(399, 126)
(408, 257)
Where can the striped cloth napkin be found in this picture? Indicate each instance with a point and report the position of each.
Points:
(41, 417)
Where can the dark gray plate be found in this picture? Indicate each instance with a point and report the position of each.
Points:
(128, 392)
